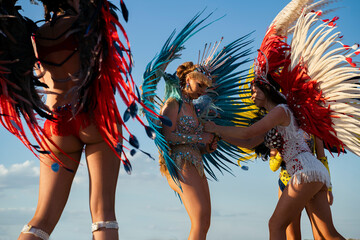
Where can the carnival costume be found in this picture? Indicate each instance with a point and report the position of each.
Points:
(319, 80)
(19, 96)
(276, 162)
(105, 68)
(221, 103)
(105, 65)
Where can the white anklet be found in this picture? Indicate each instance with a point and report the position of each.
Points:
(35, 231)
(108, 224)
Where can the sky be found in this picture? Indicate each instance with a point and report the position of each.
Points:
(146, 208)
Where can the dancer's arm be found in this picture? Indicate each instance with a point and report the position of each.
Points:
(275, 117)
(245, 143)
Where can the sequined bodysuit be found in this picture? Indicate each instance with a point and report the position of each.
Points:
(183, 143)
(300, 162)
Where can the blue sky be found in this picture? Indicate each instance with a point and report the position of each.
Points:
(146, 207)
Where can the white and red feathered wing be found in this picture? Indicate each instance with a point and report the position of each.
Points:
(316, 73)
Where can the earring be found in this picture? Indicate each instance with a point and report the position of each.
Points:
(187, 86)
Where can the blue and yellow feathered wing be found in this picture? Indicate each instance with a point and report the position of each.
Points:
(226, 70)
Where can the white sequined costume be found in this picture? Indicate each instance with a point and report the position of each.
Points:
(300, 163)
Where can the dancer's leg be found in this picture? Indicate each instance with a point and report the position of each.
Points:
(103, 167)
(293, 231)
(54, 187)
(195, 195)
(290, 205)
(320, 214)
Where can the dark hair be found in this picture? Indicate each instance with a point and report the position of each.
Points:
(55, 6)
(271, 92)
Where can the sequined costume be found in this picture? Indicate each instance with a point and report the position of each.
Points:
(277, 162)
(183, 143)
(301, 164)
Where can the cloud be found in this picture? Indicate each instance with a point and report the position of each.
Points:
(11, 216)
(19, 175)
(81, 176)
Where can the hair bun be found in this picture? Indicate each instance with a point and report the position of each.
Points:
(184, 69)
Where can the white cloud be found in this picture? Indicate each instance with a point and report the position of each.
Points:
(13, 216)
(3, 170)
(19, 175)
(81, 176)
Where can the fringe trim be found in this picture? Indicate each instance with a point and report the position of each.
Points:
(308, 176)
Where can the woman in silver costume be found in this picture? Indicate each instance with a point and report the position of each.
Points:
(187, 143)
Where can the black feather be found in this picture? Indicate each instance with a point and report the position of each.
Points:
(165, 120)
(133, 141)
(124, 10)
(150, 132)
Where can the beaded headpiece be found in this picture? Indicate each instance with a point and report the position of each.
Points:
(261, 69)
(208, 62)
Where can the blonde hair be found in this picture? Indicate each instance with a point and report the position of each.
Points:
(189, 70)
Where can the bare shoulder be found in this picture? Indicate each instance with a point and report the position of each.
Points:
(171, 103)
(282, 113)
(170, 107)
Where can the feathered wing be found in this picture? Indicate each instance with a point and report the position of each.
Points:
(327, 68)
(318, 76)
(106, 64)
(288, 15)
(285, 20)
(155, 70)
(19, 96)
(252, 113)
(228, 97)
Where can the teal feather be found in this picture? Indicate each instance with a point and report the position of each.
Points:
(227, 78)
(155, 70)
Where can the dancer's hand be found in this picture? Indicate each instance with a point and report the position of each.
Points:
(213, 145)
(206, 138)
(330, 197)
(210, 127)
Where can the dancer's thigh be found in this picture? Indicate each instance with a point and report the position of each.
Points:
(293, 201)
(54, 189)
(195, 193)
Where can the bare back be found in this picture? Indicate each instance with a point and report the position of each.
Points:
(65, 60)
